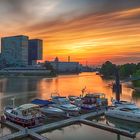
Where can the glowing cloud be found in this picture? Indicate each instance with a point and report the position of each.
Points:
(91, 30)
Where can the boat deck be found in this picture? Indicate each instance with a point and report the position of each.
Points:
(34, 132)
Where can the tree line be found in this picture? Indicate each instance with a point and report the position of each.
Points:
(125, 70)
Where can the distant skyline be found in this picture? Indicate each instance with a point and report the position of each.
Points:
(87, 30)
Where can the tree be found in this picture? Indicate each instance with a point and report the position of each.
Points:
(137, 82)
(127, 69)
(108, 69)
(138, 66)
(48, 66)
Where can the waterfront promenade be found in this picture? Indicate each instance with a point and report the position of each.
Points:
(35, 132)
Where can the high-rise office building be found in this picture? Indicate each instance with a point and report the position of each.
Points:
(14, 50)
(35, 50)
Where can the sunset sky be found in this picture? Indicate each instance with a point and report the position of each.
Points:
(87, 30)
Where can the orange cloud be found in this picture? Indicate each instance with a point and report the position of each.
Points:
(93, 36)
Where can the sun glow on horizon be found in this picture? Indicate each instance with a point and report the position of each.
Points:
(98, 33)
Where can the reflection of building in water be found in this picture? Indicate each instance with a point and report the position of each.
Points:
(21, 88)
(2, 85)
(15, 85)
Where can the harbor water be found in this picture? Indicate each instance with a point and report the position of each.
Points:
(25, 89)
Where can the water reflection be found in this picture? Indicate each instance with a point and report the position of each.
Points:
(82, 132)
(118, 123)
(27, 88)
(5, 131)
(136, 96)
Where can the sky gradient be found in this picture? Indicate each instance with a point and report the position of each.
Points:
(87, 30)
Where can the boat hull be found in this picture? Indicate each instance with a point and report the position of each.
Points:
(88, 107)
(128, 117)
(53, 112)
(67, 111)
(32, 122)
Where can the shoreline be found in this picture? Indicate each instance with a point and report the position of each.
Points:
(137, 88)
(36, 75)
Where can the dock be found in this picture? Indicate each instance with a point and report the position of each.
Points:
(109, 128)
(36, 136)
(35, 132)
(16, 135)
(12, 125)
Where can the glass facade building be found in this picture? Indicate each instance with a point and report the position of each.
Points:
(14, 50)
(35, 50)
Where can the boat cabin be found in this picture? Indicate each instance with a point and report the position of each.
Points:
(26, 110)
(95, 98)
(60, 100)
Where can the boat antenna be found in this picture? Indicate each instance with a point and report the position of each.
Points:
(83, 91)
(13, 99)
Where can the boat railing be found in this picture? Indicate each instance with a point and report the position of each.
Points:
(8, 107)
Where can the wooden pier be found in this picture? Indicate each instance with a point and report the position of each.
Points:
(34, 132)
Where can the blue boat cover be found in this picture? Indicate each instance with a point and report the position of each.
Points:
(41, 102)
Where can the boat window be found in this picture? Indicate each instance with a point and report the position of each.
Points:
(64, 100)
(24, 113)
(125, 109)
(12, 112)
(15, 113)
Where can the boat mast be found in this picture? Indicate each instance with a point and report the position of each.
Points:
(117, 84)
(13, 99)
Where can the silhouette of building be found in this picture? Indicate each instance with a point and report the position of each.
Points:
(14, 50)
(20, 51)
(35, 50)
(65, 67)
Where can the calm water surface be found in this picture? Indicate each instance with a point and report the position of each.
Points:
(25, 89)
(83, 132)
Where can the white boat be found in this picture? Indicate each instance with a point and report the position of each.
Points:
(47, 109)
(27, 115)
(52, 111)
(129, 113)
(121, 103)
(64, 104)
(123, 124)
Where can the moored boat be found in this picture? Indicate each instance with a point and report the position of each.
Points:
(75, 100)
(93, 100)
(47, 109)
(27, 115)
(123, 124)
(129, 113)
(121, 103)
(53, 111)
(64, 104)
